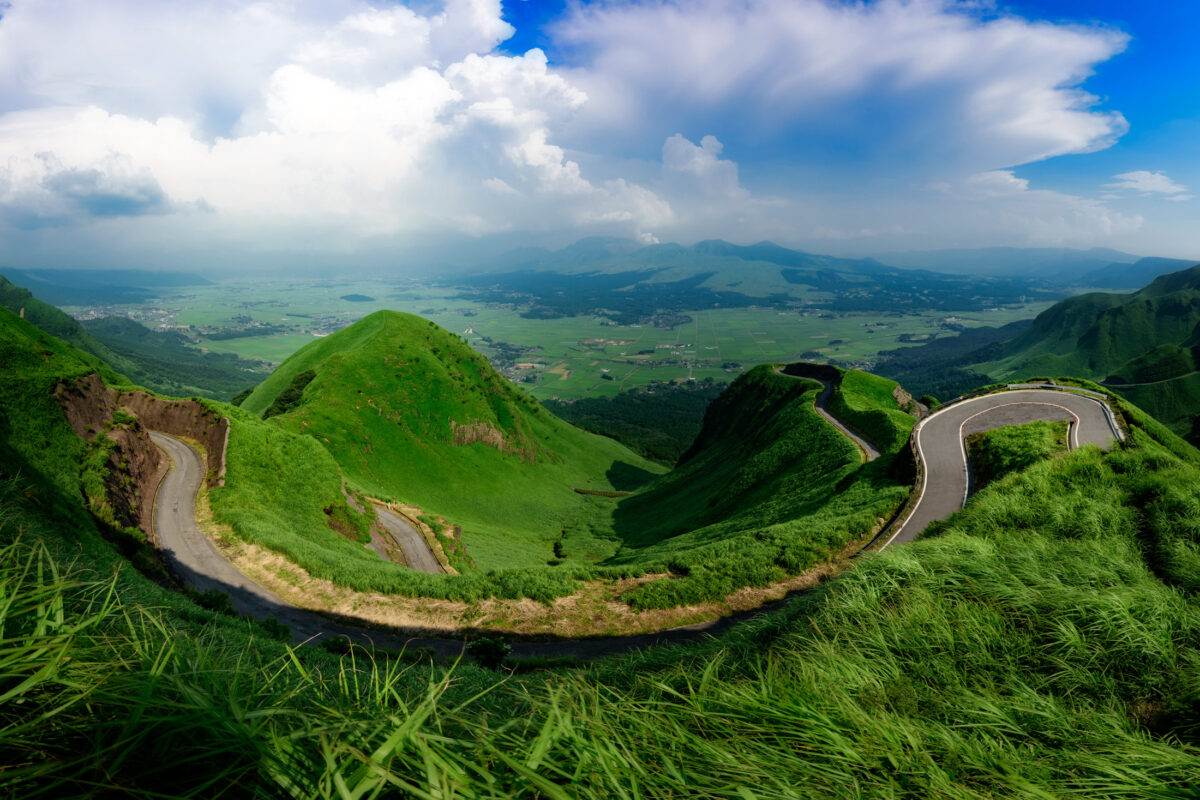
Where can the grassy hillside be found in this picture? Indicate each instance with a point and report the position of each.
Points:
(164, 362)
(1013, 448)
(410, 411)
(1043, 644)
(168, 362)
(768, 489)
(1095, 335)
(51, 320)
(1148, 337)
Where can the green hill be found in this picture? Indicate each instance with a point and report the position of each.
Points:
(58, 324)
(163, 361)
(1145, 345)
(768, 489)
(411, 411)
(1044, 643)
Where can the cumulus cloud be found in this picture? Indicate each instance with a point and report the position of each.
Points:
(920, 79)
(373, 123)
(1147, 183)
(701, 168)
(330, 123)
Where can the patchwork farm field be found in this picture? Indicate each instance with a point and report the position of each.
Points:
(568, 357)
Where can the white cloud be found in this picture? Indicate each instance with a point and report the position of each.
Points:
(327, 124)
(915, 82)
(998, 183)
(1148, 183)
(375, 122)
(701, 168)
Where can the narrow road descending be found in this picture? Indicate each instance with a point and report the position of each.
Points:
(202, 567)
(946, 485)
(416, 550)
(869, 451)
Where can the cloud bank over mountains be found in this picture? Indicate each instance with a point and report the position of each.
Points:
(341, 127)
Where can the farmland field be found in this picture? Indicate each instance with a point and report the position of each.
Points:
(567, 357)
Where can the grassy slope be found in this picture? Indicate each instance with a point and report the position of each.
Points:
(1145, 336)
(164, 362)
(386, 391)
(1044, 644)
(866, 402)
(768, 489)
(998, 452)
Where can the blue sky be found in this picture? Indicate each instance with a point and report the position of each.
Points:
(344, 131)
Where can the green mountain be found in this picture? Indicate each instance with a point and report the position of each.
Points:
(1044, 643)
(634, 284)
(411, 411)
(1102, 335)
(165, 361)
(58, 324)
(769, 489)
(1145, 345)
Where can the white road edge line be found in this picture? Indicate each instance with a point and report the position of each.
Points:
(921, 453)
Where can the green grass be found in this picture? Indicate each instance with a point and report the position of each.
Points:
(866, 403)
(768, 490)
(1036, 647)
(1013, 448)
(391, 391)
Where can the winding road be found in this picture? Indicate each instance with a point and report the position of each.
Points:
(202, 567)
(821, 404)
(945, 486)
(940, 442)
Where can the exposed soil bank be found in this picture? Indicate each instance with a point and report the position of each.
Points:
(135, 464)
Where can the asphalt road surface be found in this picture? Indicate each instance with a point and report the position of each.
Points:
(416, 549)
(202, 567)
(869, 451)
(940, 444)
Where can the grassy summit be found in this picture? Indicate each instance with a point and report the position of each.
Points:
(410, 411)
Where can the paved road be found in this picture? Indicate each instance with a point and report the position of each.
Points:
(202, 567)
(869, 451)
(940, 446)
(416, 549)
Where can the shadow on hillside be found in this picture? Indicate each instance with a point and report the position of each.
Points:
(626, 477)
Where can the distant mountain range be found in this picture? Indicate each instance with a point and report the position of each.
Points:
(634, 283)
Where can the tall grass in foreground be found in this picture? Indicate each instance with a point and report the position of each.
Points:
(1029, 650)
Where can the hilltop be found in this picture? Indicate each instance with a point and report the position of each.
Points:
(411, 411)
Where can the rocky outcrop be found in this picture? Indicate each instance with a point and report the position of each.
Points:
(491, 436)
(135, 464)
